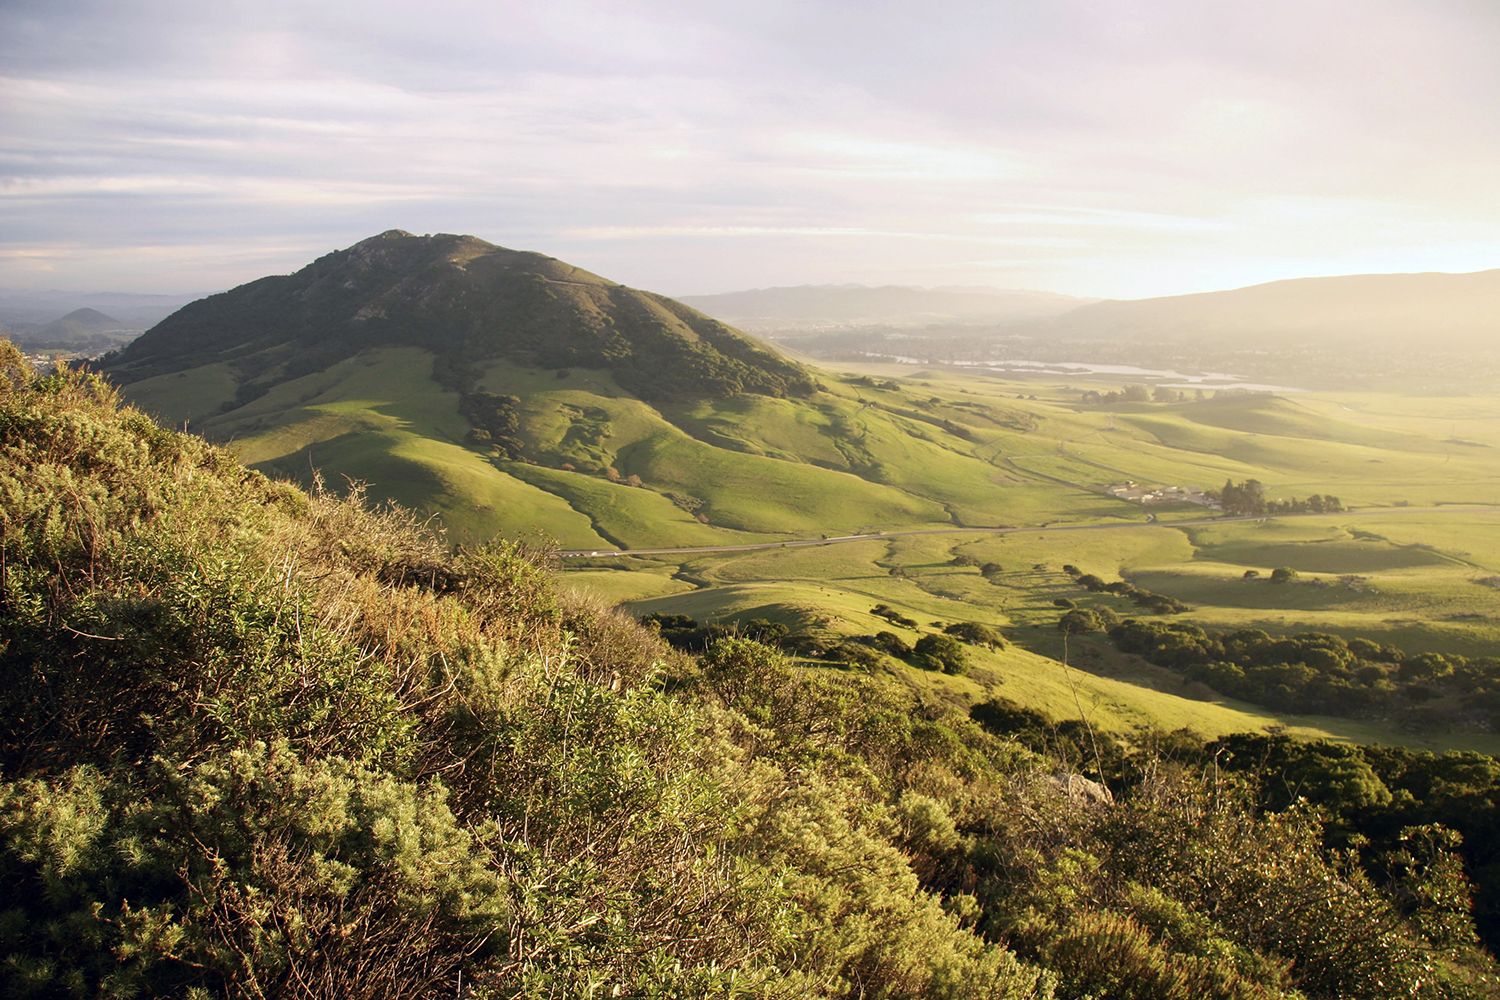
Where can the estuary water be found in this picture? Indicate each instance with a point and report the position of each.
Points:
(1084, 369)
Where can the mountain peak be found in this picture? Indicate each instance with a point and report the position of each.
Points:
(465, 300)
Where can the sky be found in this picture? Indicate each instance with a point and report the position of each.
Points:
(1117, 148)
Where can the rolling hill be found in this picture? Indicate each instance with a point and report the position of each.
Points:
(81, 328)
(1394, 312)
(509, 394)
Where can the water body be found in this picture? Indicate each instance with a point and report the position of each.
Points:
(1082, 369)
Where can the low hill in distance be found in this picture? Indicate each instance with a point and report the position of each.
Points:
(26, 311)
(811, 306)
(80, 330)
(81, 327)
(1392, 312)
(82, 321)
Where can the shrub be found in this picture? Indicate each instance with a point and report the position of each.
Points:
(1079, 621)
(974, 632)
(941, 652)
(853, 654)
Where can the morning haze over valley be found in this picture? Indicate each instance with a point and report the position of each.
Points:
(820, 501)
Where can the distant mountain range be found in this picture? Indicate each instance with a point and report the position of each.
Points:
(1434, 311)
(807, 306)
(1384, 311)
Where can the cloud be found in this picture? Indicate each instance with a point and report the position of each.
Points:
(1120, 146)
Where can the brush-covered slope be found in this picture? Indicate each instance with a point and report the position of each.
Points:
(464, 299)
(1395, 312)
(260, 743)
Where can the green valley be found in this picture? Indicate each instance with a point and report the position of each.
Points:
(960, 467)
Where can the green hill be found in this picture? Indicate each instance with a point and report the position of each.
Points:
(256, 742)
(465, 300)
(492, 442)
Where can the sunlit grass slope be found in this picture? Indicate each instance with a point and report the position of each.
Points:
(889, 449)
(380, 419)
(832, 589)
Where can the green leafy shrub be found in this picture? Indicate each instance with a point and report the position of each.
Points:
(940, 652)
(975, 633)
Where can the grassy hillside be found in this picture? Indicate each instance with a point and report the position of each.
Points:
(1412, 598)
(601, 469)
(258, 742)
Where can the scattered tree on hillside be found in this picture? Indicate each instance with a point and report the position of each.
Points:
(893, 616)
(1079, 621)
(940, 652)
(975, 633)
(1129, 394)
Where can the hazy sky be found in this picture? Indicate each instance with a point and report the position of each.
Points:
(1098, 147)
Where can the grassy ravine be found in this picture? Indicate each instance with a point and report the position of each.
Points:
(256, 743)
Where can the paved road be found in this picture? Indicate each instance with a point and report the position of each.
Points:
(1150, 522)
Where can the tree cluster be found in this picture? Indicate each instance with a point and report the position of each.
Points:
(1321, 673)
(893, 616)
(1248, 499)
(1156, 603)
(1423, 826)
(686, 634)
(1129, 394)
(495, 421)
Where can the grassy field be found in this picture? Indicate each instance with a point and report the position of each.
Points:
(886, 448)
(1390, 570)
